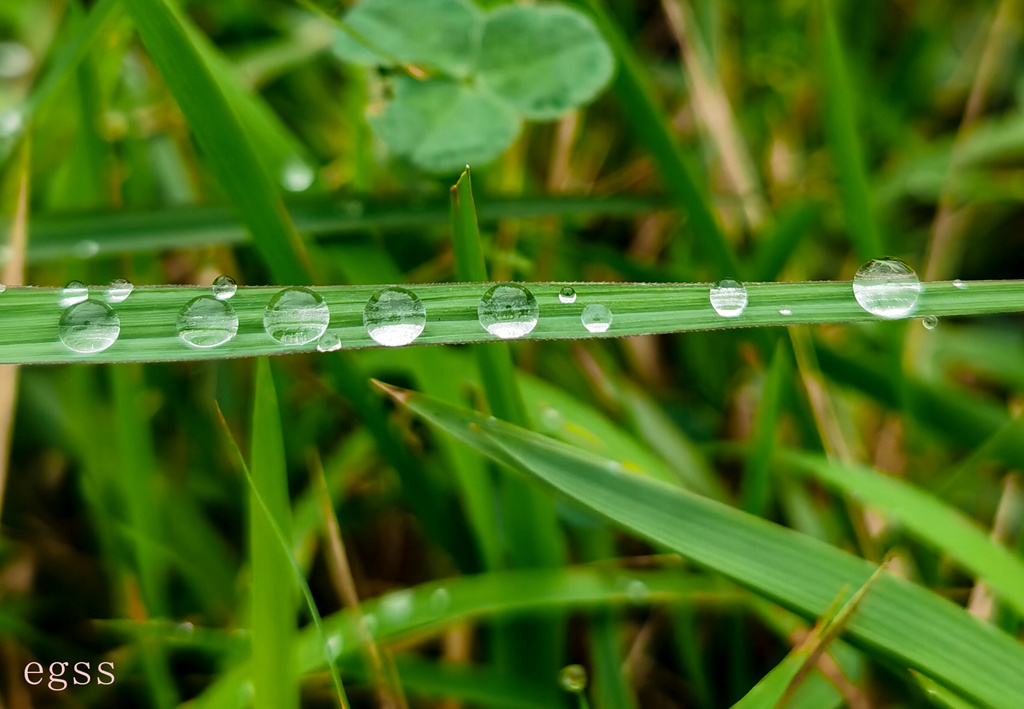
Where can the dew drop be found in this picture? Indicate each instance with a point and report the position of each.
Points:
(440, 599)
(224, 287)
(397, 607)
(11, 123)
(637, 591)
(729, 298)
(551, 419)
(959, 284)
(87, 248)
(887, 287)
(206, 322)
(2, 287)
(930, 322)
(508, 311)
(74, 292)
(119, 290)
(785, 311)
(573, 678)
(335, 646)
(330, 342)
(567, 295)
(394, 317)
(296, 316)
(16, 60)
(596, 318)
(89, 326)
(296, 175)
(185, 628)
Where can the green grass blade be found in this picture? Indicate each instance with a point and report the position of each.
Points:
(844, 140)
(30, 316)
(900, 620)
(757, 474)
(636, 98)
(272, 614)
(59, 236)
(229, 152)
(926, 516)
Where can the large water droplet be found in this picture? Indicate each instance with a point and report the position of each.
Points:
(89, 326)
(887, 287)
(296, 316)
(729, 298)
(573, 678)
(74, 292)
(567, 295)
(508, 311)
(930, 322)
(596, 318)
(394, 317)
(330, 342)
(206, 322)
(119, 290)
(224, 287)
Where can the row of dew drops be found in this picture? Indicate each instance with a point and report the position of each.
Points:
(395, 316)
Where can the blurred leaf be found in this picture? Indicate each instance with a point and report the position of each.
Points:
(544, 59)
(438, 34)
(900, 620)
(441, 125)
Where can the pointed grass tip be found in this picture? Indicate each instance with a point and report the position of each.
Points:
(399, 395)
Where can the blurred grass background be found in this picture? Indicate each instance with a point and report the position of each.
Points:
(779, 141)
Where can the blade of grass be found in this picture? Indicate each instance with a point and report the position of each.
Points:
(279, 623)
(30, 318)
(532, 534)
(227, 148)
(637, 101)
(757, 473)
(926, 516)
(844, 139)
(900, 620)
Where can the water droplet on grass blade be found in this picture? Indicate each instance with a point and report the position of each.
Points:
(206, 322)
(567, 295)
(73, 292)
(508, 311)
(88, 327)
(296, 316)
(394, 317)
(930, 322)
(637, 591)
(224, 287)
(887, 287)
(296, 175)
(785, 311)
(596, 318)
(87, 248)
(959, 284)
(729, 298)
(440, 599)
(2, 287)
(330, 342)
(573, 678)
(119, 290)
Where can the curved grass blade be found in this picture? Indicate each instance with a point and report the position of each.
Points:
(900, 620)
(926, 516)
(29, 317)
(429, 609)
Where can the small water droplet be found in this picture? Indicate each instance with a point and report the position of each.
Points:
(296, 175)
(637, 591)
(887, 287)
(2, 287)
(74, 292)
(729, 298)
(551, 419)
(508, 311)
(785, 311)
(614, 466)
(87, 248)
(206, 322)
(440, 599)
(573, 678)
(119, 290)
(396, 607)
(567, 295)
(11, 123)
(330, 342)
(186, 628)
(224, 287)
(930, 322)
(959, 284)
(89, 326)
(394, 317)
(16, 60)
(596, 318)
(296, 316)
(334, 646)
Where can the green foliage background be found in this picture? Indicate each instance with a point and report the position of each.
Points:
(673, 512)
